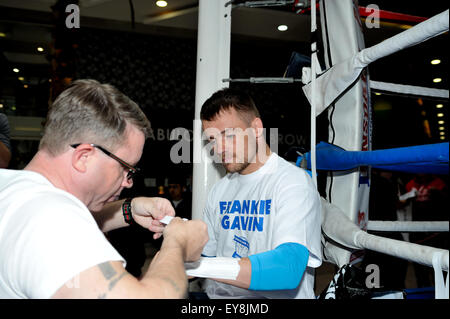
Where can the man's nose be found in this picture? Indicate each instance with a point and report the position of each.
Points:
(219, 147)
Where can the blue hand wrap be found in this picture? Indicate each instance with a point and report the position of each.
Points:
(281, 268)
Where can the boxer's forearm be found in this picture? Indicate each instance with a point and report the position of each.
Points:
(243, 278)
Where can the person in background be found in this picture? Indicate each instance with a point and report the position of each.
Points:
(429, 204)
(383, 205)
(179, 197)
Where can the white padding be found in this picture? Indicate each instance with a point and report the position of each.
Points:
(214, 267)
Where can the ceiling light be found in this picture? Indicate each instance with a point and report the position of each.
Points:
(442, 133)
(420, 101)
(440, 114)
(441, 128)
(13, 108)
(2, 35)
(437, 80)
(40, 49)
(435, 61)
(161, 3)
(25, 86)
(441, 122)
(442, 137)
(16, 70)
(21, 78)
(439, 106)
(377, 93)
(1, 106)
(282, 27)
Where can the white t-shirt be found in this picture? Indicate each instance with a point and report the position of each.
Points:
(254, 213)
(47, 237)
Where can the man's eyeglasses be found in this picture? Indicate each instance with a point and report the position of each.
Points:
(132, 170)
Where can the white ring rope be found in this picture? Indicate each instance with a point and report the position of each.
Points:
(441, 287)
(408, 226)
(408, 89)
(413, 252)
(341, 229)
(419, 33)
(338, 78)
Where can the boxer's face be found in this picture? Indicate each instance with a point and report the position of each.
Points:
(232, 139)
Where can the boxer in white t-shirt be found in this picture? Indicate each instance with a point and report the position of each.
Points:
(265, 211)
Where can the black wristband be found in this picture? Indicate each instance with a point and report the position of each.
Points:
(126, 210)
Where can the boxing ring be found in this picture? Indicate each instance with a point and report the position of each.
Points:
(342, 89)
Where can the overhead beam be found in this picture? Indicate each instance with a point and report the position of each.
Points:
(171, 14)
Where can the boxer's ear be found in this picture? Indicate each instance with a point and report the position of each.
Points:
(257, 125)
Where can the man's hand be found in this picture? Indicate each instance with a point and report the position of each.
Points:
(191, 236)
(148, 210)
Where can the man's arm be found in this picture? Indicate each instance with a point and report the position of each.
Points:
(280, 268)
(145, 211)
(165, 278)
(244, 277)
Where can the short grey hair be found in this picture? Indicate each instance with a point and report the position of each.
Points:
(91, 112)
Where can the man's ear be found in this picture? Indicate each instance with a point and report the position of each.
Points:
(81, 157)
(257, 125)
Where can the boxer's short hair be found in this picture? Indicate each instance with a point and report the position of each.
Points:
(227, 98)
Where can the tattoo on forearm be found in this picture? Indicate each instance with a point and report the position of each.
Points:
(173, 283)
(110, 274)
(175, 286)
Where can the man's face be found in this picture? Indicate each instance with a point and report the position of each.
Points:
(175, 191)
(232, 139)
(111, 177)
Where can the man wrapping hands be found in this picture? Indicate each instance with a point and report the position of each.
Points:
(53, 212)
